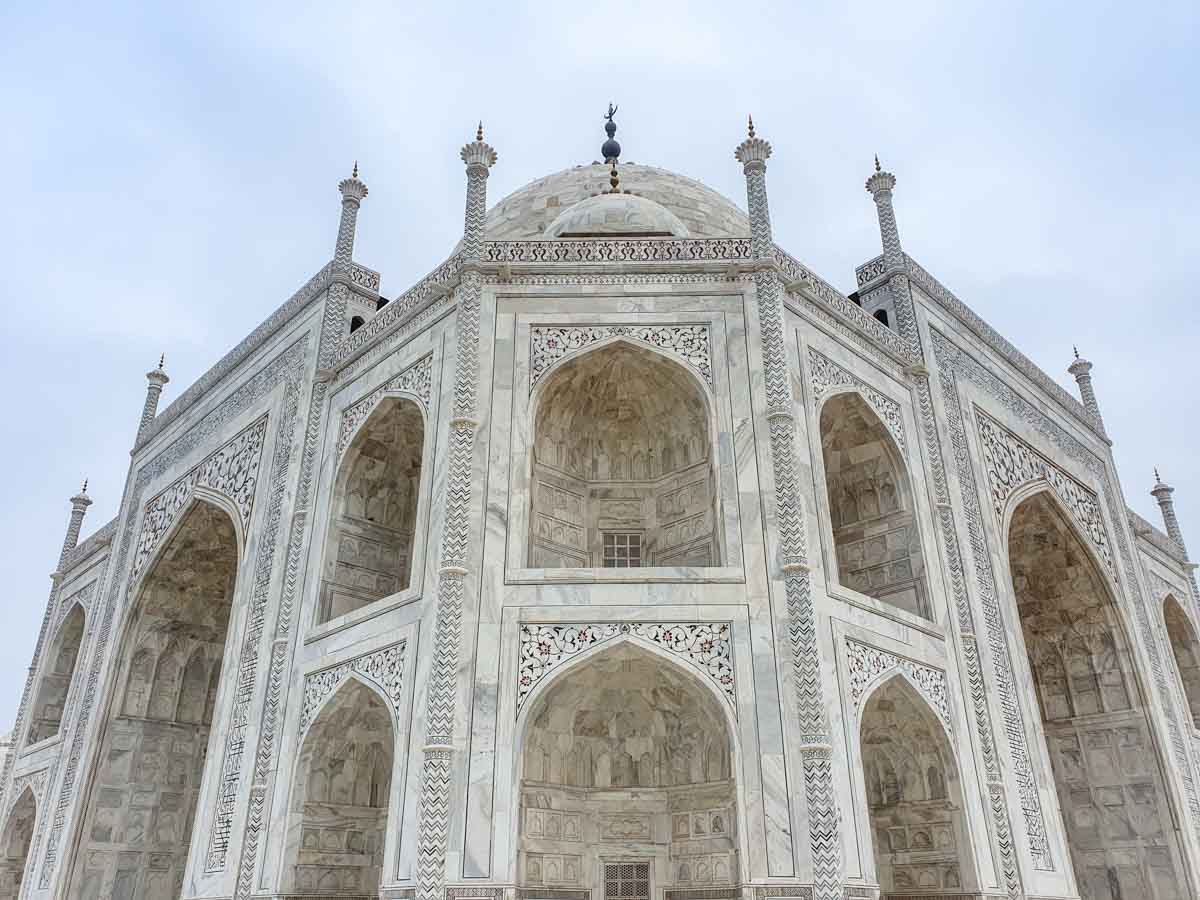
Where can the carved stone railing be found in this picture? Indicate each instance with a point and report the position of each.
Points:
(845, 308)
(870, 271)
(1144, 529)
(645, 250)
(364, 277)
(985, 332)
(259, 336)
(432, 286)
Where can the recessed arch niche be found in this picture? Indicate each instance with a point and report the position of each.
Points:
(871, 506)
(1103, 753)
(919, 830)
(372, 523)
(14, 844)
(137, 825)
(625, 752)
(1186, 652)
(58, 671)
(337, 822)
(623, 473)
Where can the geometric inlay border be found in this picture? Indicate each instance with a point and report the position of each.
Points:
(550, 343)
(706, 646)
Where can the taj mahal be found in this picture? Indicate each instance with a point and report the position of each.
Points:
(622, 557)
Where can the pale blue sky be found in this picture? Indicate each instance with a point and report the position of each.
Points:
(171, 178)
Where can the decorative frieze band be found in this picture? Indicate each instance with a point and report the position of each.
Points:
(827, 374)
(706, 646)
(232, 470)
(550, 343)
(416, 380)
(643, 250)
(1011, 464)
(382, 667)
(869, 665)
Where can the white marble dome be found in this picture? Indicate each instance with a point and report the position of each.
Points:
(617, 214)
(530, 212)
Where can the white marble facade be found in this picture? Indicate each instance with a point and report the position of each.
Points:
(620, 558)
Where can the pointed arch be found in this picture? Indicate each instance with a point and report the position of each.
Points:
(57, 675)
(626, 727)
(14, 843)
(338, 819)
(1185, 650)
(872, 507)
(1103, 752)
(920, 831)
(622, 467)
(371, 535)
(151, 763)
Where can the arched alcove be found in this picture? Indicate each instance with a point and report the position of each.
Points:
(875, 533)
(139, 815)
(1186, 651)
(14, 842)
(914, 796)
(372, 522)
(627, 753)
(58, 670)
(1102, 750)
(623, 472)
(337, 823)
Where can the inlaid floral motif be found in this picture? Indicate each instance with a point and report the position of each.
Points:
(417, 380)
(827, 374)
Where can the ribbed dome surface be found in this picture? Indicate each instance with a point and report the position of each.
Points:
(527, 213)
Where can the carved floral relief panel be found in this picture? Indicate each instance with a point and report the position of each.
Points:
(417, 380)
(827, 374)
(706, 646)
(550, 343)
(1011, 463)
(869, 664)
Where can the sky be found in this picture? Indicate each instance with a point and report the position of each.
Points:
(172, 171)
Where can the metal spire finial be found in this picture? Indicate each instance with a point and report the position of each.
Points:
(611, 149)
(1157, 477)
(85, 482)
(878, 168)
(162, 358)
(354, 174)
(750, 125)
(1076, 349)
(479, 131)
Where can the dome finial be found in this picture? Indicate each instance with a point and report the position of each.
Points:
(611, 149)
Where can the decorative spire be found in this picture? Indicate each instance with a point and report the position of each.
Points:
(878, 168)
(1162, 493)
(753, 149)
(79, 504)
(610, 150)
(353, 191)
(478, 153)
(156, 379)
(354, 173)
(749, 126)
(1081, 369)
(479, 131)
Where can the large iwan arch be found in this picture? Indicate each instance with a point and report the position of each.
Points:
(623, 468)
(58, 673)
(1103, 753)
(627, 750)
(137, 825)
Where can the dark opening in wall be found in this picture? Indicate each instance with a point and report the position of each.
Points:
(356, 323)
(880, 314)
